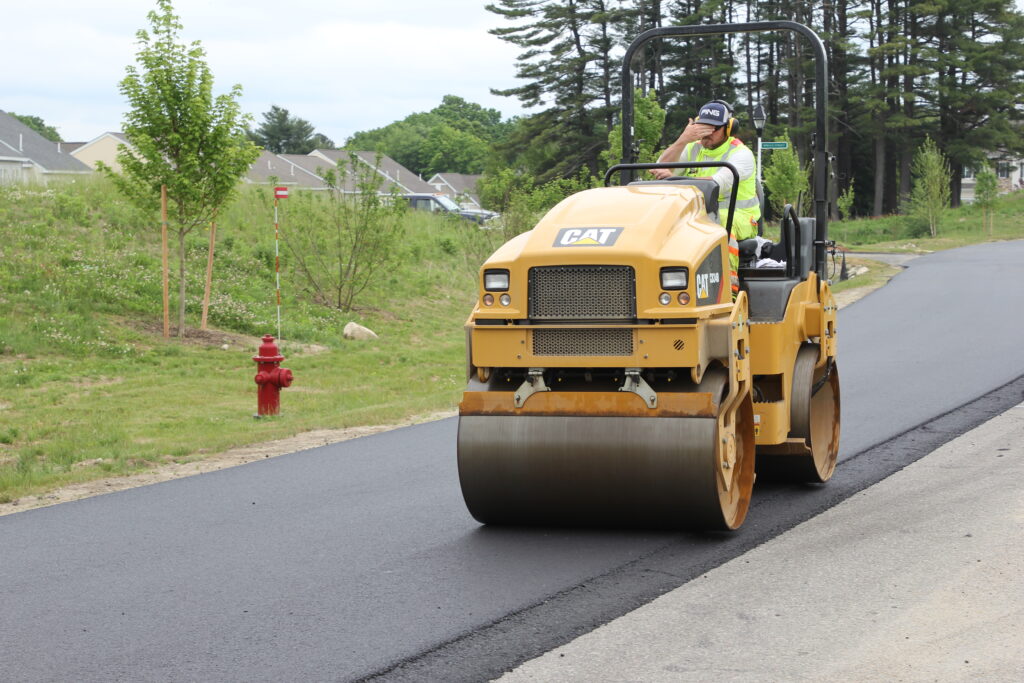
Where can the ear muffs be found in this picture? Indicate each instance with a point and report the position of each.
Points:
(728, 108)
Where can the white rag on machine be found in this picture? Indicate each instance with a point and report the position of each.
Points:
(765, 262)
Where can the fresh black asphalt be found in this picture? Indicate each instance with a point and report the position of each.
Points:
(358, 559)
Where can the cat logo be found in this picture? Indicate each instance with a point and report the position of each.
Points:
(704, 281)
(586, 237)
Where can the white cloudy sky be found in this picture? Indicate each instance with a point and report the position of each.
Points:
(344, 65)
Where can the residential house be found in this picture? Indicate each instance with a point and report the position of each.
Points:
(102, 148)
(307, 171)
(462, 187)
(1009, 175)
(397, 177)
(26, 156)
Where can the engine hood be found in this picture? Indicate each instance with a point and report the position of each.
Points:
(617, 225)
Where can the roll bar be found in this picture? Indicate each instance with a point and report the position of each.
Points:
(820, 101)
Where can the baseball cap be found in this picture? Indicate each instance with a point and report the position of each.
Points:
(714, 113)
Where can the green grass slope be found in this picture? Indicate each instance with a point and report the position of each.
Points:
(89, 388)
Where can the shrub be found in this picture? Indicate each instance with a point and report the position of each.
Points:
(785, 181)
(929, 197)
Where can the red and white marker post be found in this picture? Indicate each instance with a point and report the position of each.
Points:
(279, 193)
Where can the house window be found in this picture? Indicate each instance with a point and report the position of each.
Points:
(968, 173)
(1003, 169)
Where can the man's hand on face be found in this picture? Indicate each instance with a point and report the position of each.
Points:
(692, 133)
(695, 131)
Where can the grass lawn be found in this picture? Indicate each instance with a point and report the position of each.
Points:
(959, 227)
(89, 388)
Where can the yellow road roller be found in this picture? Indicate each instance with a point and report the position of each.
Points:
(614, 380)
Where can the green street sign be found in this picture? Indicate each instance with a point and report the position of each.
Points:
(774, 145)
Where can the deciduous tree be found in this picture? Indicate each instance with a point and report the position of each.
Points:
(349, 238)
(986, 189)
(38, 125)
(785, 180)
(454, 137)
(929, 197)
(648, 121)
(182, 136)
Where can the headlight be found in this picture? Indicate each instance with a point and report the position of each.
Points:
(673, 278)
(496, 280)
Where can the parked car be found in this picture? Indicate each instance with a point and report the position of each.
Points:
(440, 203)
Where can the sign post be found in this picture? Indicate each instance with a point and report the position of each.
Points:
(759, 148)
(279, 193)
(759, 118)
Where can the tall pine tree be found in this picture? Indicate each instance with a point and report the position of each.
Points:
(566, 65)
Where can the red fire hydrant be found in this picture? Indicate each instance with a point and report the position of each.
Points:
(270, 378)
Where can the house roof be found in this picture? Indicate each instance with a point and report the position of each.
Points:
(285, 171)
(402, 178)
(460, 183)
(311, 165)
(21, 142)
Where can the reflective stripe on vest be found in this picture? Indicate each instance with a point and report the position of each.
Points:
(746, 197)
(734, 257)
(740, 203)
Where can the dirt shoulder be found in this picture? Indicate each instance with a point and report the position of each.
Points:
(300, 442)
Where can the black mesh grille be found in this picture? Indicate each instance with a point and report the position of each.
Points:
(582, 293)
(583, 342)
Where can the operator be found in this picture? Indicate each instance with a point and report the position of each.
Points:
(709, 138)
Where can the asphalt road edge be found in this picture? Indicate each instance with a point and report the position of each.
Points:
(488, 652)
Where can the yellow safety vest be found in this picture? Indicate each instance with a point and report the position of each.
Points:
(748, 207)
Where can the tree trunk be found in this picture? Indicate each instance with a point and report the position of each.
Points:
(906, 163)
(954, 184)
(181, 284)
(843, 136)
(907, 148)
(892, 83)
(891, 203)
(879, 172)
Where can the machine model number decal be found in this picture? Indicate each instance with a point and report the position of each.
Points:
(708, 279)
(704, 282)
(587, 237)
